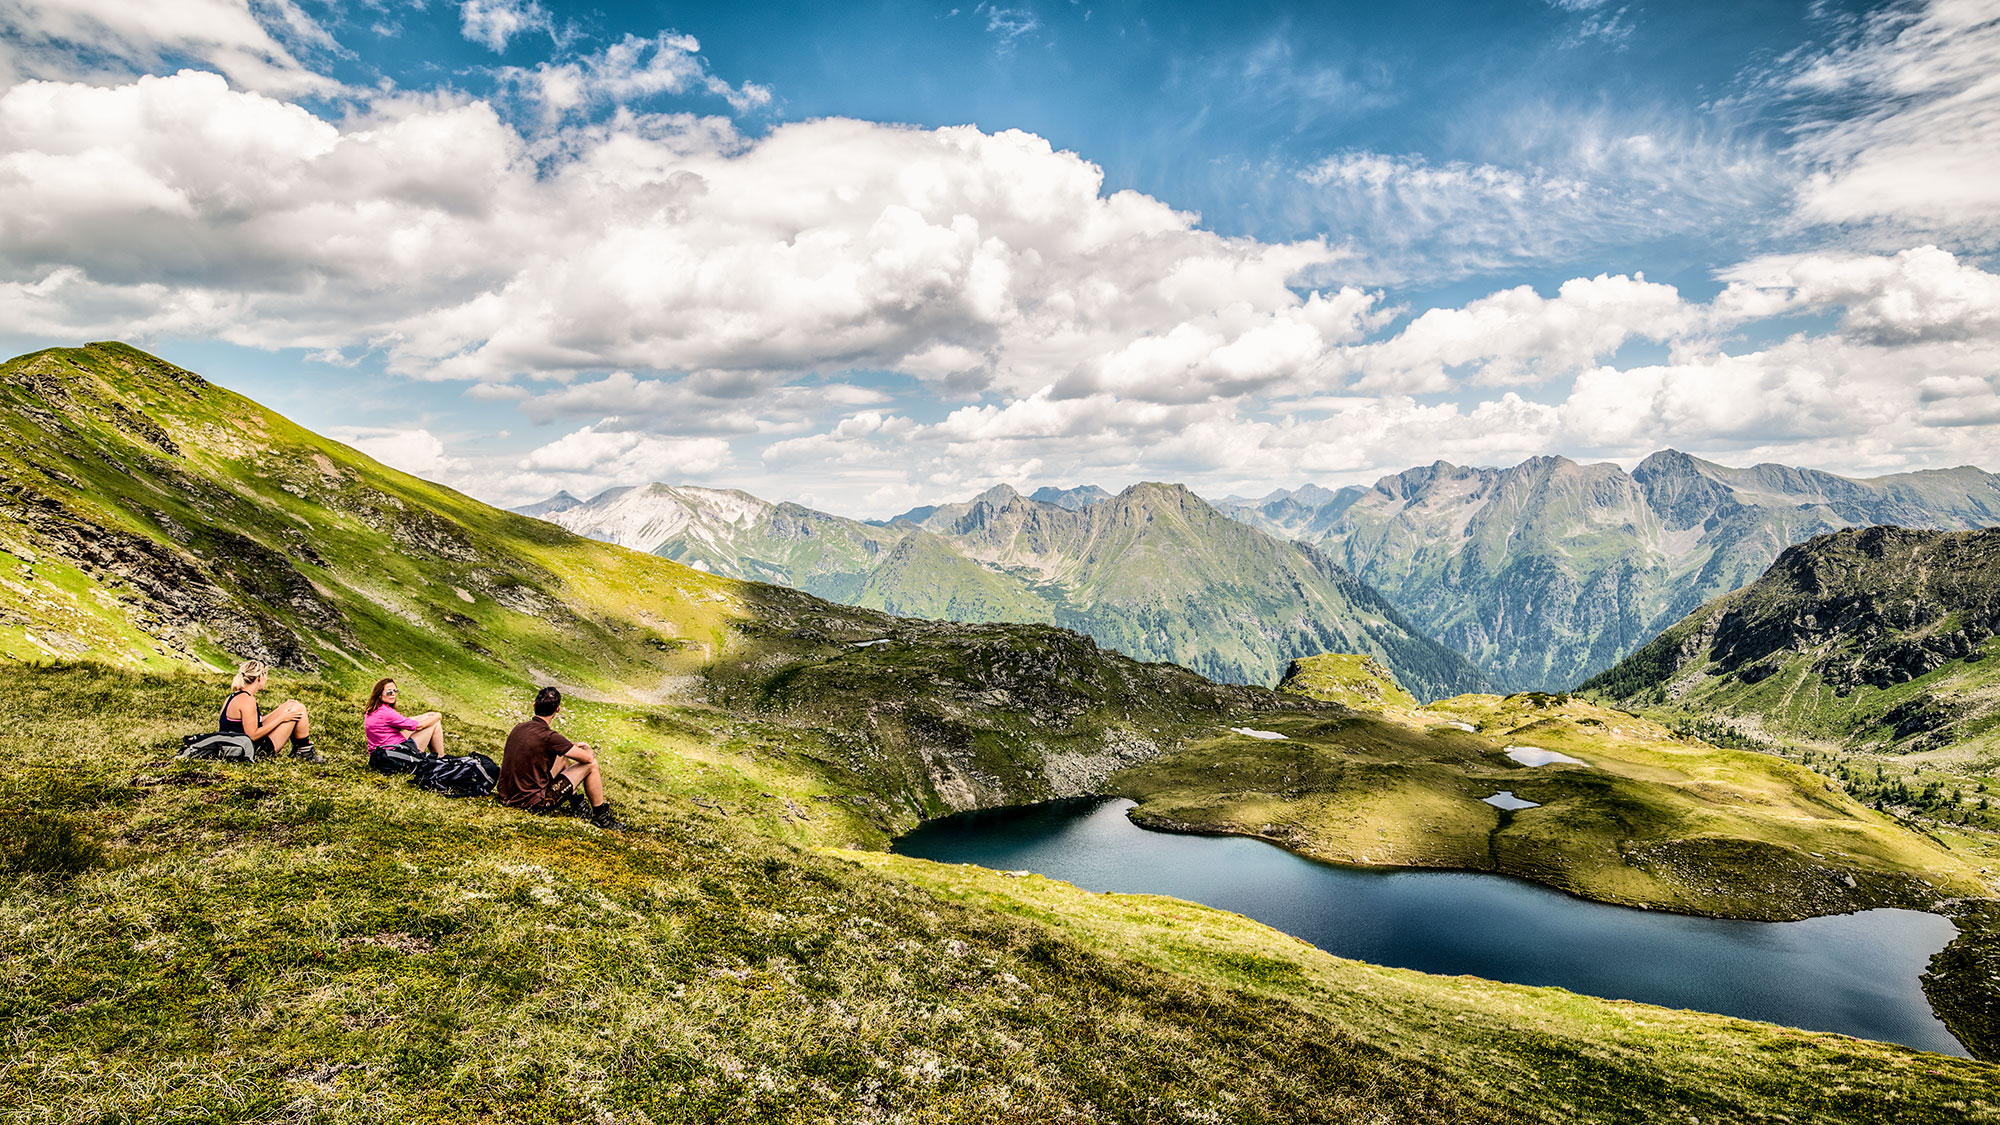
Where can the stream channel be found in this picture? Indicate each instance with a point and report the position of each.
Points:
(1852, 973)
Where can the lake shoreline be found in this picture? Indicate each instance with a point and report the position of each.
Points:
(1938, 985)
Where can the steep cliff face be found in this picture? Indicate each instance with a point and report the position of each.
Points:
(1550, 571)
(1873, 636)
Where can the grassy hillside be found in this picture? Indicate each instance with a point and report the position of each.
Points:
(157, 520)
(189, 940)
(1867, 653)
(320, 943)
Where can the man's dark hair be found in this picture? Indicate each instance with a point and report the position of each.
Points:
(546, 701)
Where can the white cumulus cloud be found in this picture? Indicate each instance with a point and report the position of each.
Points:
(427, 227)
(495, 23)
(1517, 336)
(413, 449)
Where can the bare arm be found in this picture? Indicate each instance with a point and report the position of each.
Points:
(254, 727)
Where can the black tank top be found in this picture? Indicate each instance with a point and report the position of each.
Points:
(229, 725)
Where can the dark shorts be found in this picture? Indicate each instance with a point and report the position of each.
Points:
(548, 800)
(379, 758)
(263, 746)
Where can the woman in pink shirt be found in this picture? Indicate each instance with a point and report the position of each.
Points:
(386, 727)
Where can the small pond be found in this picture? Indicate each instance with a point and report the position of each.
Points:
(1852, 973)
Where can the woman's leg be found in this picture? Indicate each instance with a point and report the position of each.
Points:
(432, 738)
(284, 732)
(304, 732)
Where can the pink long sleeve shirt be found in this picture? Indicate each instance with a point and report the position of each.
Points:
(386, 727)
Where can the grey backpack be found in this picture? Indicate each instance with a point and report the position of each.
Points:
(217, 747)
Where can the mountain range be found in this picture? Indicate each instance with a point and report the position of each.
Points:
(1541, 575)
(1154, 572)
(1548, 572)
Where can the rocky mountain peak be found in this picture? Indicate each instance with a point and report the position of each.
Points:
(1670, 464)
(1074, 499)
(561, 502)
(1000, 495)
(1158, 495)
(1311, 495)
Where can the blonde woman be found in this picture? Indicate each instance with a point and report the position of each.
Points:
(287, 722)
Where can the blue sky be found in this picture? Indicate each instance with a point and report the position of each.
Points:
(865, 256)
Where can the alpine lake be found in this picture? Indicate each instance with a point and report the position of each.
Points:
(1856, 974)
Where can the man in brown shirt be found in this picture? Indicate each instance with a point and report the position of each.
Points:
(540, 770)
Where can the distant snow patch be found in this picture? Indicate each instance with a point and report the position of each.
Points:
(871, 644)
(1466, 727)
(1505, 799)
(1264, 734)
(1536, 756)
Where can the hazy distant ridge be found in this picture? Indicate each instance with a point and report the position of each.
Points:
(1154, 571)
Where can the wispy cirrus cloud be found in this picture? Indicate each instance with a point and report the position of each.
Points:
(1586, 182)
(627, 72)
(257, 46)
(1900, 125)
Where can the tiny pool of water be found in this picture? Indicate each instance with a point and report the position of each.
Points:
(1536, 756)
(1852, 973)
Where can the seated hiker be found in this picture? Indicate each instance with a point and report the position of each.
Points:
(541, 771)
(287, 722)
(387, 727)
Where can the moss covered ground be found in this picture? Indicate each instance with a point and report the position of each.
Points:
(191, 940)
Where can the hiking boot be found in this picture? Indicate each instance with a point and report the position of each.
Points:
(603, 818)
(306, 752)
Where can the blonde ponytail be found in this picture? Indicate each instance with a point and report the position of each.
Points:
(249, 673)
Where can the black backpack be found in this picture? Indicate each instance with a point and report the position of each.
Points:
(215, 746)
(394, 759)
(467, 775)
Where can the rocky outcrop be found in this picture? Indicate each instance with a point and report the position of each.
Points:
(1872, 608)
(180, 596)
(1882, 606)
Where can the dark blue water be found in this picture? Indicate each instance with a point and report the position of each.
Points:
(1853, 973)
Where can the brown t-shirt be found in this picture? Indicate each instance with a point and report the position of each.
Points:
(527, 764)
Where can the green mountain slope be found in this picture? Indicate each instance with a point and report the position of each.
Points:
(1154, 572)
(186, 939)
(1550, 571)
(1877, 638)
(156, 520)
